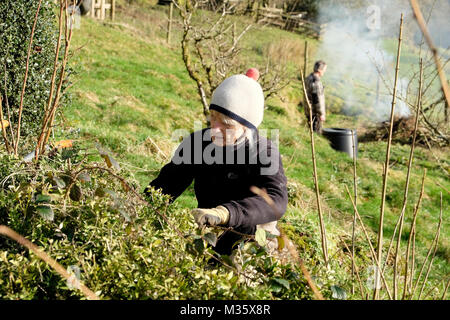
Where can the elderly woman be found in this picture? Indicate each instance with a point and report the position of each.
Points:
(225, 161)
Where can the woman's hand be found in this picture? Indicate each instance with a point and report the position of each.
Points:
(211, 217)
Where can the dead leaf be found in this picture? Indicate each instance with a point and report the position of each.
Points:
(63, 144)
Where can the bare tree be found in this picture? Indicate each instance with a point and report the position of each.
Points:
(211, 46)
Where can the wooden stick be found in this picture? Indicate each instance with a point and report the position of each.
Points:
(113, 10)
(388, 152)
(169, 25)
(316, 183)
(355, 190)
(94, 6)
(305, 57)
(423, 27)
(102, 9)
(6, 231)
(24, 85)
(405, 196)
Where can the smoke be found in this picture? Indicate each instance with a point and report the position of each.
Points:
(359, 45)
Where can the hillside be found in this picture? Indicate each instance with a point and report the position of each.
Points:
(132, 91)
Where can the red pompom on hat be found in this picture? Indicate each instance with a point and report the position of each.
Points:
(253, 73)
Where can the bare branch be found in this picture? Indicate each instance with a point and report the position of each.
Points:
(8, 232)
(27, 66)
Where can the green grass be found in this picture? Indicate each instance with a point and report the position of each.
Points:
(131, 86)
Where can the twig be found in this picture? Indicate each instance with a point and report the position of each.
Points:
(433, 288)
(413, 258)
(26, 77)
(55, 66)
(318, 295)
(6, 231)
(52, 82)
(411, 233)
(8, 110)
(388, 152)
(405, 196)
(444, 188)
(157, 148)
(372, 250)
(316, 183)
(48, 119)
(445, 290)
(436, 243)
(355, 268)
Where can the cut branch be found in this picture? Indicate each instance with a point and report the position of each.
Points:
(423, 27)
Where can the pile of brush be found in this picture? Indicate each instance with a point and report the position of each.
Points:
(403, 132)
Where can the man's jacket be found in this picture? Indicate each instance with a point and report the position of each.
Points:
(316, 96)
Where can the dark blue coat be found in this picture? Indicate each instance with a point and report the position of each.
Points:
(224, 175)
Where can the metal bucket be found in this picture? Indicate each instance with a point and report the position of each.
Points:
(341, 139)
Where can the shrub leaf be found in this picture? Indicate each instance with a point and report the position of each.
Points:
(45, 212)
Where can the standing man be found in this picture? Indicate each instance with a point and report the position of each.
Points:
(314, 89)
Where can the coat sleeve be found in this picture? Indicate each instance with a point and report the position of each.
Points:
(254, 210)
(177, 175)
(318, 98)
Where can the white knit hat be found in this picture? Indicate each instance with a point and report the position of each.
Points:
(240, 98)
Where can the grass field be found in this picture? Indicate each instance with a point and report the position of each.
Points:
(132, 91)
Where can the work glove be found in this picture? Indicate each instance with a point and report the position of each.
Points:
(211, 217)
(270, 227)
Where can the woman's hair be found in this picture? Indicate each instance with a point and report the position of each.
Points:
(225, 119)
(248, 133)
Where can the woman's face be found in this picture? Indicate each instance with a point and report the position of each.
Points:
(223, 133)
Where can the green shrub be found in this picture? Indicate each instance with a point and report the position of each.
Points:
(16, 21)
(121, 246)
